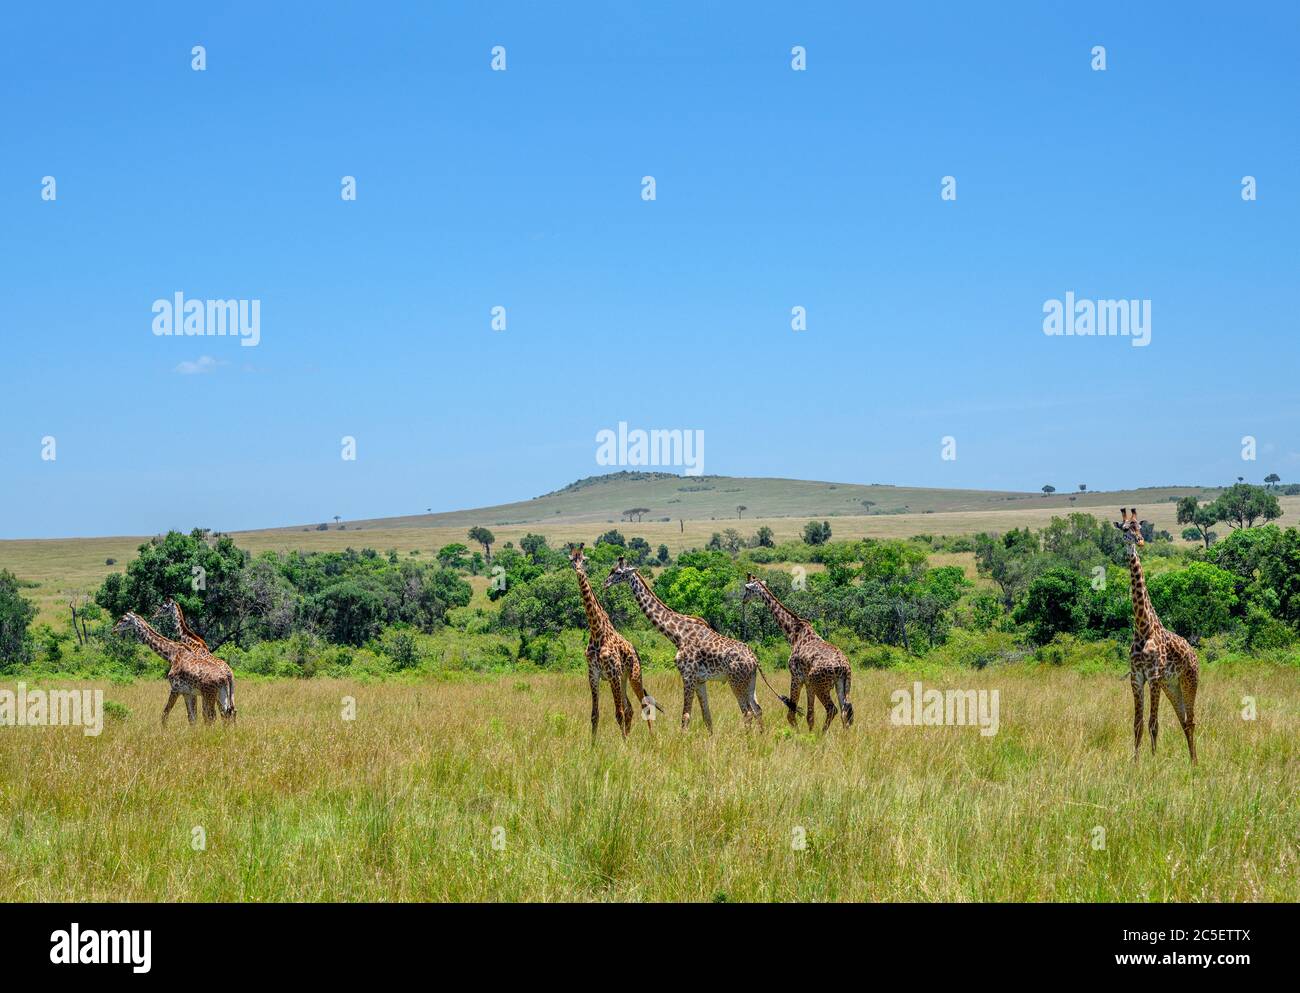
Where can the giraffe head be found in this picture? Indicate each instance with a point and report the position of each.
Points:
(576, 558)
(130, 622)
(1130, 527)
(752, 587)
(168, 609)
(621, 573)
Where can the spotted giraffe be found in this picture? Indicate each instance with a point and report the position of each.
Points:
(190, 673)
(186, 635)
(609, 655)
(1158, 658)
(813, 661)
(702, 654)
(192, 639)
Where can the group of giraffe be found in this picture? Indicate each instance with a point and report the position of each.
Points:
(192, 670)
(1158, 658)
(703, 656)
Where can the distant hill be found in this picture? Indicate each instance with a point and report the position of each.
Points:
(665, 496)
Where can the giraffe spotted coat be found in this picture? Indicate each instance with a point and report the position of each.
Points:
(1158, 657)
(703, 655)
(190, 673)
(814, 662)
(610, 656)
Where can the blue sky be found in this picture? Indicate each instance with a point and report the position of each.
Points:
(522, 189)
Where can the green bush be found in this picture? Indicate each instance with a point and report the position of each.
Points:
(1195, 602)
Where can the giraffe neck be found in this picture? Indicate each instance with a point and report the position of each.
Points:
(791, 623)
(1144, 615)
(671, 624)
(165, 647)
(597, 619)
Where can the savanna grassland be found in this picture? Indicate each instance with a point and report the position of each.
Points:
(401, 802)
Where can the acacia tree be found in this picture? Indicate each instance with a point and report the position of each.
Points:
(1049, 490)
(1198, 518)
(1242, 504)
(1272, 479)
(740, 510)
(484, 537)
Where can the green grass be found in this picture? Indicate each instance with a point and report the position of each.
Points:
(401, 803)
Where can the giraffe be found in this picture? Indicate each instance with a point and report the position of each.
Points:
(190, 673)
(1158, 657)
(702, 653)
(609, 656)
(812, 660)
(192, 639)
(188, 636)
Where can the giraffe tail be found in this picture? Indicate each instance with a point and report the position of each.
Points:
(790, 705)
(845, 686)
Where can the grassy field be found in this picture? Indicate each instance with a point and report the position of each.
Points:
(402, 802)
(65, 566)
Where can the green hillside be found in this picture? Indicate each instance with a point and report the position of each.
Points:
(666, 496)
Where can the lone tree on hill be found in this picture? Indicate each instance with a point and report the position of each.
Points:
(484, 537)
(740, 510)
(637, 512)
(336, 520)
(1272, 479)
(1049, 490)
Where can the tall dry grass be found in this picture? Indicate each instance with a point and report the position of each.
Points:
(401, 803)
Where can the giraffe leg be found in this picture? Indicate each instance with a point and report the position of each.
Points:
(1187, 683)
(796, 687)
(1182, 694)
(171, 702)
(1153, 721)
(646, 701)
(620, 706)
(824, 694)
(627, 700)
(593, 680)
(1136, 682)
(209, 705)
(633, 665)
(812, 697)
(688, 697)
(741, 691)
(191, 707)
(754, 707)
(702, 691)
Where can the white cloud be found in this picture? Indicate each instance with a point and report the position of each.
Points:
(205, 363)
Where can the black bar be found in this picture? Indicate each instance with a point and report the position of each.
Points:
(933, 943)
